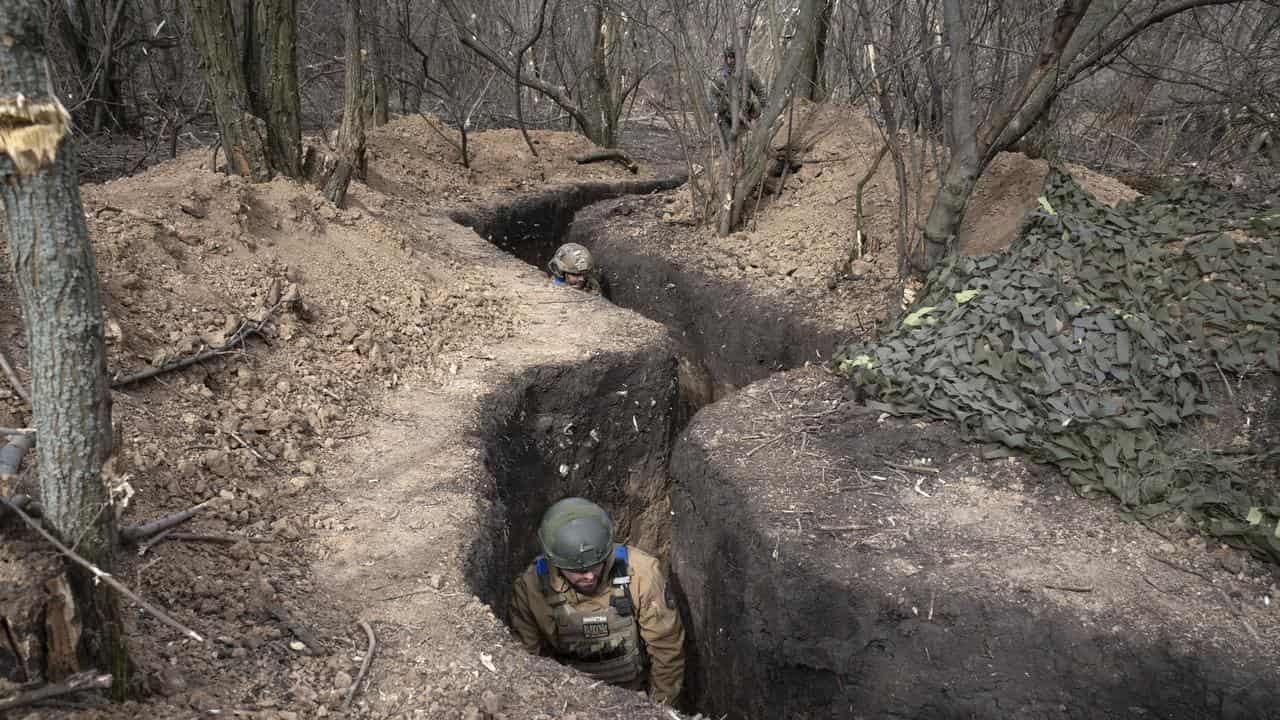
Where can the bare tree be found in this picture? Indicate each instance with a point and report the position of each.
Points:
(350, 160)
(1099, 27)
(58, 285)
(611, 74)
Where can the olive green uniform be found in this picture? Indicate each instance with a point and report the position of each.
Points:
(643, 650)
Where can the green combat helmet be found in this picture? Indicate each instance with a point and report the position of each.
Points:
(576, 534)
(570, 258)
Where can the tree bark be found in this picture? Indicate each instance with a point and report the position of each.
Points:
(244, 135)
(58, 287)
(378, 104)
(815, 87)
(271, 76)
(351, 134)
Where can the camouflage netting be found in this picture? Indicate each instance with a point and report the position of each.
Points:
(1087, 341)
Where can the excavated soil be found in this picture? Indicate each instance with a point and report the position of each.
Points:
(391, 441)
(852, 584)
(360, 447)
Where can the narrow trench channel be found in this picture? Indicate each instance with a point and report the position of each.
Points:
(775, 643)
(606, 429)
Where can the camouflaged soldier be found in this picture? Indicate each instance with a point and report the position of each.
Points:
(572, 266)
(753, 96)
(601, 608)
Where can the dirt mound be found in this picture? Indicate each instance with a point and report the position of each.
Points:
(362, 302)
(800, 237)
(879, 567)
(411, 159)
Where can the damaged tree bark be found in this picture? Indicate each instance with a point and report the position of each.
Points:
(58, 286)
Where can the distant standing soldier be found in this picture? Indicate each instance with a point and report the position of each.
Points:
(752, 96)
(601, 608)
(572, 266)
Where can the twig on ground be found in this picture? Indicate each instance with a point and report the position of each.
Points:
(1069, 588)
(142, 531)
(7, 366)
(299, 631)
(236, 436)
(237, 338)
(160, 537)
(915, 468)
(364, 666)
(920, 482)
(79, 682)
(17, 431)
(762, 445)
(215, 538)
(1230, 393)
(1179, 568)
(1248, 625)
(845, 528)
(107, 578)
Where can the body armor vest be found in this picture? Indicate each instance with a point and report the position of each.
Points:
(604, 643)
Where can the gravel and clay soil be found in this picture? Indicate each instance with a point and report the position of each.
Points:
(878, 567)
(352, 452)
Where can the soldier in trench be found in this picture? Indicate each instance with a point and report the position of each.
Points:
(572, 265)
(601, 608)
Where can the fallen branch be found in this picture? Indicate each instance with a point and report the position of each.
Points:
(107, 578)
(11, 459)
(364, 666)
(764, 444)
(142, 531)
(608, 154)
(237, 338)
(213, 538)
(7, 366)
(845, 528)
(914, 468)
(76, 683)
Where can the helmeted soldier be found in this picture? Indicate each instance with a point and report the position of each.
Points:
(572, 266)
(751, 95)
(601, 608)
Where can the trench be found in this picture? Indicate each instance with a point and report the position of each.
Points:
(606, 429)
(765, 642)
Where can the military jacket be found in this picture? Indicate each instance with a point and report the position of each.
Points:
(639, 649)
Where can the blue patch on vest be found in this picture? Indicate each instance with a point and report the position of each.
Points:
(543, 568)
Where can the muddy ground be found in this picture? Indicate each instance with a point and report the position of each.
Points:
(390, 445)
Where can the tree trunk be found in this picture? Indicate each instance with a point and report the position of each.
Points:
(58, 287)
(271, 73)
(815, 87)
(600, 101)
(378, 109)
(351, 134)
(244, 135)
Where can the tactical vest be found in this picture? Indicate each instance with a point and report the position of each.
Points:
(606, 643)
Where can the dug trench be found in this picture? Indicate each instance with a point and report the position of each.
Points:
(832, 563)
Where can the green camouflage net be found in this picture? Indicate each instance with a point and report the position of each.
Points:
(1093, 336)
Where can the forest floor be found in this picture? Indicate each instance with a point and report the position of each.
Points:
(341, 446)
